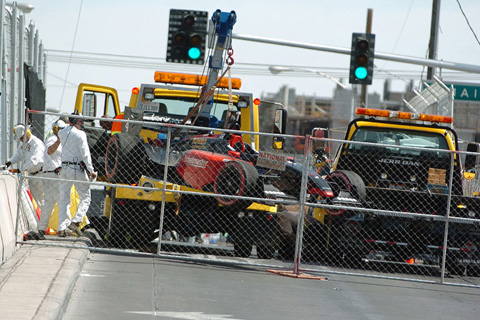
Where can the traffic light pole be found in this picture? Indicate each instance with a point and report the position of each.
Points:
(378, 55)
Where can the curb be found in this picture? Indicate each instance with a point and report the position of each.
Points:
(44, 274)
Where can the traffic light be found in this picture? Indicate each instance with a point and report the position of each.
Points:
(187, 32)
(361, 58)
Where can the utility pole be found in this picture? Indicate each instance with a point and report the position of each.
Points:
(432, 46)
(363, 96)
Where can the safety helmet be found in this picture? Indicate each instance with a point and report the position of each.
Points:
(18, 131)
(58, 125)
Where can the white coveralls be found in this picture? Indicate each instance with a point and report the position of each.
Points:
(51, 187)
(74, 150)
(31, 153)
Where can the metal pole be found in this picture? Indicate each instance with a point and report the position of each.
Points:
(378, 55)
(21, 60)
(432, 46)
(447, 215)
(301, 210)
(13, 73)
(164, 188)
(3, 92)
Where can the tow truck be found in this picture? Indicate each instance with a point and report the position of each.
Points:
(199, 158)
(398, 171)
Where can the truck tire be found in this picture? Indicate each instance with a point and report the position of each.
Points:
(124, 158)
(237, 178)
(349, 181)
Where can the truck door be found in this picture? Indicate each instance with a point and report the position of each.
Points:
(97, 101)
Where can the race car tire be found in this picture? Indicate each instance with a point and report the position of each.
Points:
(237, 178)
(349, 181)
(124, 158)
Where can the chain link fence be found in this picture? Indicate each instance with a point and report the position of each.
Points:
(387, 210)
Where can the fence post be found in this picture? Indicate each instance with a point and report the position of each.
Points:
(447, 215)
(165, 174)
(301, 213)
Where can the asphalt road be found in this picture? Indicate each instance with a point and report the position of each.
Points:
(128, 287)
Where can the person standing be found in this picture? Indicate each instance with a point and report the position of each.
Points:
(31, 153)
(76, 166)
(51, 169)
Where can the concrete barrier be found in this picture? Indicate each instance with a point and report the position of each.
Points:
(8, 214)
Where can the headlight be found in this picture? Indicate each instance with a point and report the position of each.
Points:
(148, 184)
(151, 207)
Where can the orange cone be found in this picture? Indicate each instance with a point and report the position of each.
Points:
(410, 261)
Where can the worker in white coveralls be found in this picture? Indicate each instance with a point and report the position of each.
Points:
(31, 153)
(77, 166)
(51, 169)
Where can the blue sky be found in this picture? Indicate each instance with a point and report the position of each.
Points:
(139, 28)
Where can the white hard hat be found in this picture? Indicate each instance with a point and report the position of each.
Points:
(18, 131)
(60, 124)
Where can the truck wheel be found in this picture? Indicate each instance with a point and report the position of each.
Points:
(124, 158)
(349, 182)
(237, 178)
(265, 251)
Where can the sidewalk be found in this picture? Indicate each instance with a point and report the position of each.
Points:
(38, 280)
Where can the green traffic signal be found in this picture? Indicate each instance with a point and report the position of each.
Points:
(361, 58)
(194, 53)
(361, 73)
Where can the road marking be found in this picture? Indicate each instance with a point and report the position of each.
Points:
(186, 315)
(92, 275)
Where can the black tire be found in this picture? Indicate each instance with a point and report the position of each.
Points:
(347, 181)
(124, 158)
(237, 178)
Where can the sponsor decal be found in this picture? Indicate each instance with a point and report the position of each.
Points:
(195, 162)
(402, 162)
(199, 143)
(272, 161)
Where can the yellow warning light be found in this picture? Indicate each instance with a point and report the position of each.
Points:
(193, 79)
(403, 115)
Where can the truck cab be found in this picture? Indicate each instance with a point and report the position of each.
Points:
(405, 170)
(135, 154)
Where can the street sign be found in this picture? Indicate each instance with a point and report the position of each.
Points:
(466, 92)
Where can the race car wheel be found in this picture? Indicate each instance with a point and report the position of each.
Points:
(237, 178)
(347, 181)
(124, 158)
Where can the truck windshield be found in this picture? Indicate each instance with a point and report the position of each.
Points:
(390, 136)
(178, 108)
